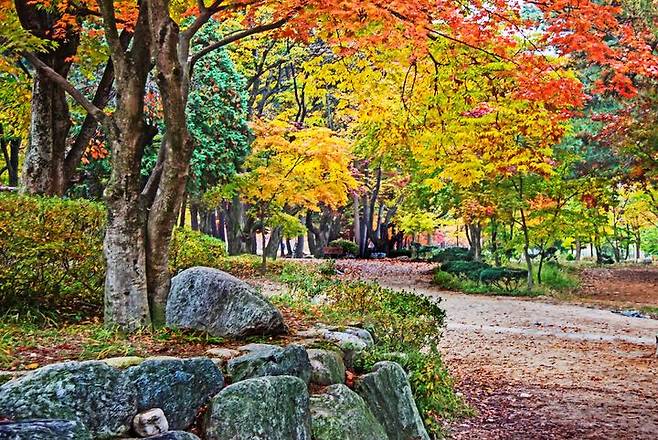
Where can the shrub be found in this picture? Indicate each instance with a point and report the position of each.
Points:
(395, 253)
(465, 269)
(503, 277)
(51, 257)
(556, 278)
(190, 248)
(445, 280)
(452, 254)
(349, 247)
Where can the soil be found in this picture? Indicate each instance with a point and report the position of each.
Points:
(541, 368)
(628, 286)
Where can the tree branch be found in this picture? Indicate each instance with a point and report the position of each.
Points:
(235, 36)
(58, 79)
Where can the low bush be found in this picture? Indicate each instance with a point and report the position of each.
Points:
(505, 278)
(452, 254)
(348, 246)
(51, 262)
(447, 281)
(406, 327)
(190, 248)
(51, 258)
(557, 278)
(465, 269)
(396, 253)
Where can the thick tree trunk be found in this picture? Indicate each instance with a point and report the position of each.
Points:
(299, 247)
(43, 168)
(126, 300)
(578, 250)
(236, 231)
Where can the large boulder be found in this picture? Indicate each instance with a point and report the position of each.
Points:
(270, 360)
(177, 386)
(327, 367)
(388, 394)
(264, 408)
(208, 299)
(93, 393)
(341, 414)
(43, 430)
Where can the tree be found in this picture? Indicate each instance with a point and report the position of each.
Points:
(291, 170)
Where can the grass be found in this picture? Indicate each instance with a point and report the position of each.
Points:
(556, 280)
(650, 311)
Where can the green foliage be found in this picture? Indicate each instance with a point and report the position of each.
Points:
(452, 254)
(190, 248)
(650, 241)
(51, 263)
(348, 246)
(465, 269)
(217, 117)
(505, 278)
(556, 278)
(406, 327)
(446, 281)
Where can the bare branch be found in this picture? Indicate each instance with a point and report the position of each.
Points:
(235, 37)
(58, 79)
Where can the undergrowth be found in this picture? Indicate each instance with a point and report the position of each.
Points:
(407, 328)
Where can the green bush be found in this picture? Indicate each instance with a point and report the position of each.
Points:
(556, 278)
(51, 257)
(446, 281)
(465, 269)
(190, 248)
(505, 278)
(348, 246)
(406, 328)
(452, 254)
(396, 253)
(51, 261)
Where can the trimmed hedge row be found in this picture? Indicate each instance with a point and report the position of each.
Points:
(51, 256)
(506, 278)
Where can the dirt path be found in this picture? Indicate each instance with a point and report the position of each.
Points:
(537, 369)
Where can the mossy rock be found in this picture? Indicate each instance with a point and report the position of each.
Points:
(263, 408)
(341, 414)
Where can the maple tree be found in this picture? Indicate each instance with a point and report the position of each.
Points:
(290, 171)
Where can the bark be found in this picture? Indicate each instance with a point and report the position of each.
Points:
(578, 250)
(194, 214)
(474, 235)
(183, 210)
(299, 247)
(237, 231)
(10, 150)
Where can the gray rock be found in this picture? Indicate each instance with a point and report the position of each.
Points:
(173, 435)
(151, 422)
(92, 392)
(388, 394)
(177, 386)
(265, 408)
(43, 430)
(208, 299)
(362, 334)
(341, 414)
(327, 367)
(271, 360)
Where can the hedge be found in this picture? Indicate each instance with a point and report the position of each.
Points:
(51, 256)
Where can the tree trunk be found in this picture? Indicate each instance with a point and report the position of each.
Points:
(237, 234)
(578, 250)
(183, 209)
(299, 247)
(526, 249)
